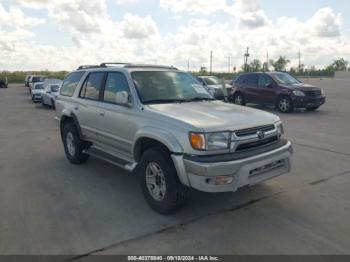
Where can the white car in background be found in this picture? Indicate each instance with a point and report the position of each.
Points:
(214, 86)
(36, 91)
(50, 95)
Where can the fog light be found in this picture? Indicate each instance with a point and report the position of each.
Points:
(220, 180)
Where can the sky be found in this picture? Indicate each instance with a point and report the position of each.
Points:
(63, 34)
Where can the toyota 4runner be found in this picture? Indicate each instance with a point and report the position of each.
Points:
(163, 124)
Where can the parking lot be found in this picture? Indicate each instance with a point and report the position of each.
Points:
(49, 206)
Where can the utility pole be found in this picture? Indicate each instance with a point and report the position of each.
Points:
(229, 63)
(267, 62)
(246, 56)
(188, 65)
(211, 62)
(299, 61)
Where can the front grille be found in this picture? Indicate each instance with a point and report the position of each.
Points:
(254, 130)
(313, 93)
(258, 143)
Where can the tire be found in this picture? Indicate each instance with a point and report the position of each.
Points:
(157, 165)
(312, 108)
(73, 145)
(238, 99)
(284, 104)
(53, 104)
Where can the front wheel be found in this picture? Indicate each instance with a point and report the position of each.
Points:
(73, 145)
(285, 104)
(160, 183)
(238, 99)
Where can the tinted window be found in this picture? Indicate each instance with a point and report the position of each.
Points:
(115, 82)
(251, 80)
(70, 83)
(92, 86)
(54, 88)
(240, 79)
(264, 80)
(37, 79)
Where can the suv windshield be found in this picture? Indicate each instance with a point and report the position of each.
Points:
(284, 78)
(212, 80)
(39, 86)
(168, 87)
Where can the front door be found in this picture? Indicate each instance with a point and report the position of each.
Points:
(117, 123)
(266, 89)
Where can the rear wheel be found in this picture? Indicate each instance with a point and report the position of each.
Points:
(238, 99)
(285, 104)
(160, 183)
(73, 145)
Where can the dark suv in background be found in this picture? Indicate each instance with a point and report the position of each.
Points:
(277, 89)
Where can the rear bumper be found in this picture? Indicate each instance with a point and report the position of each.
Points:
(307, 102)
(248, 171)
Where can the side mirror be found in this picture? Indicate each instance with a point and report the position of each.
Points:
(269, 85)
(122, 98)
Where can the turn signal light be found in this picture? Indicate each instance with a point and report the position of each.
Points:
(197, 141)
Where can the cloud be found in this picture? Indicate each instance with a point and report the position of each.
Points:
(97, 37)
(123, 2)
(136, 27)
(14, 17)
(85, 16)
(325, 23)
(199, 6)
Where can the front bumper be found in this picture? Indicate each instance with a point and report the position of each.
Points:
(37, 97)
(244, 172)
(308, 102)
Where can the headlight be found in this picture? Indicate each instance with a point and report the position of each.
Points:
(280, 128)
(210, 141)
(298, 93)
(322, 92)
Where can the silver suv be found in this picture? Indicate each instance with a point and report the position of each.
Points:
(162, 124)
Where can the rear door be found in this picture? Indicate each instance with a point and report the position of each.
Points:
(251, 90)
(86, 106)
(267, 89)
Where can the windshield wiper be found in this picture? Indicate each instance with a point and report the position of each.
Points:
(199, 99)
(163, 101)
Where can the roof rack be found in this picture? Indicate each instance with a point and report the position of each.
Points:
(113, 63)
(150, 66)
(87, 67)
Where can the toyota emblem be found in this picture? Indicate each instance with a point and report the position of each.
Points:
(260, 134)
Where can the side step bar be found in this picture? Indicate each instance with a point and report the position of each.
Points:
(128, 166)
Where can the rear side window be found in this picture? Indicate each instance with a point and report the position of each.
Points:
(240, 79)
(92, 86)
(252, 80)
(115, 82)
(70, 83)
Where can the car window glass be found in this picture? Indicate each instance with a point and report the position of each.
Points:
(240, 79)
(92, 86)
(264, 80)
(251, 80)
(70, 83)
(115, 82)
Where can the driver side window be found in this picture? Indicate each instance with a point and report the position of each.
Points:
(115, 82)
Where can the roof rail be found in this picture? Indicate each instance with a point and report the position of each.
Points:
(113, 63)
(150, 66)
(87, 67)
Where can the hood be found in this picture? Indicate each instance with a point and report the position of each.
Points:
(214, 115)
(301, 87)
